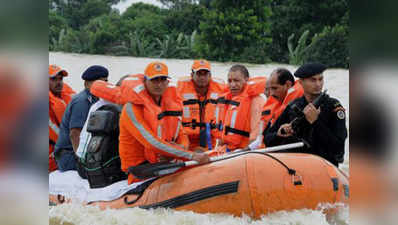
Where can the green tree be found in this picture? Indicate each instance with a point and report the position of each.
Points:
(150, 25)
(79, 12)
(106, 32)
(139, 46)
(141, 10)
(297, 52)
(230, 27)
(175, 46)
(56, 24)
(297, 16)
(70, 40)
(177, 4)
(330, 47)
(184, 20)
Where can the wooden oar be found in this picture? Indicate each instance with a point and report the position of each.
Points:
(153, 170)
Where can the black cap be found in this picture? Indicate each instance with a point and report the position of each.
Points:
(94, 73)
(309, 69)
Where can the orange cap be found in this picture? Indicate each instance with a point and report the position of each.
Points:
(156, 69)
(54, 70)
(200, 64)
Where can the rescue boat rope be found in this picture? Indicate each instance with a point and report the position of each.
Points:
(289, 170)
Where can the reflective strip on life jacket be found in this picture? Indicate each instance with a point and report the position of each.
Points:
(233, 119)
(186, 111)
(53, 126)
(217, 113)
(214, 95)
(177, 131)
(152, 140)
(187, 96)
(160, 131)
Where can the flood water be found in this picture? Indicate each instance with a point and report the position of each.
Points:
(336, 81)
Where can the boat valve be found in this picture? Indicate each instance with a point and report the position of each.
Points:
(297, 179)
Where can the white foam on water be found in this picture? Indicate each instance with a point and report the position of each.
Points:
(88, 215)
(336, 81)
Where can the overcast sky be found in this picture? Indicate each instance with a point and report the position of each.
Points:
(123, 5)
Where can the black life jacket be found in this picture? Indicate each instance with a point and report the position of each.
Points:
(102, 162)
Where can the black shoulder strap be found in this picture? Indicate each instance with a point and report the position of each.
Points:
(236, 131)
(169, 113)
(266, 112)
(222, 100)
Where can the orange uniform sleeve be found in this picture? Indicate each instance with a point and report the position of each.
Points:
(133, 121)
(131, 151)
(107, 91)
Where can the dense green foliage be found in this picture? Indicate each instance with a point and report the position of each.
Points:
(330, 47)
(255, 31)
(297, 16)
(230, 27)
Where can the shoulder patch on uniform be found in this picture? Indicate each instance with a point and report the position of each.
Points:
(341, 114)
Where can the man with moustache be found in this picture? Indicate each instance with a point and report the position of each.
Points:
(150, 130)
(241, 108)
(283, 89)
(323, 129)
(60, 94)
(200, 92)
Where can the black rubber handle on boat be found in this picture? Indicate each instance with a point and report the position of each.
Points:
(147, 170)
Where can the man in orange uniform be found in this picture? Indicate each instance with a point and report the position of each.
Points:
(283, 89)
(200, 92)
(150, 130)
(60, 95)
(241, 109)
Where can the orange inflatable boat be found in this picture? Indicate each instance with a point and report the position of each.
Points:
(252, 183)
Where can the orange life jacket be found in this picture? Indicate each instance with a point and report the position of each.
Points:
(236, 113)
(194, 106)
(57, 108)
(268, 111)
(296, 91)
(67, 93)
(164, 125)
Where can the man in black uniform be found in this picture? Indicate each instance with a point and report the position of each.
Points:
(322, 129)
